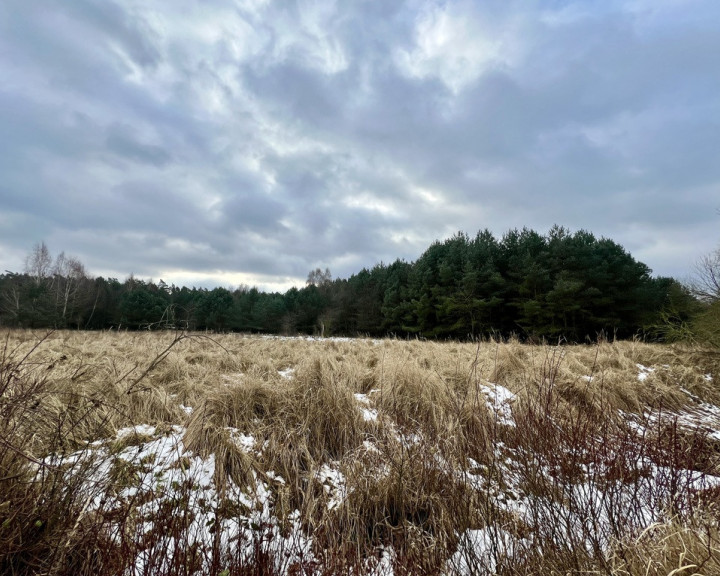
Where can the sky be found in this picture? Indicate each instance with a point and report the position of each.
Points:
(227, 143)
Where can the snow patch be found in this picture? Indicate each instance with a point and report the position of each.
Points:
(644, 372)
(481, 549)
(140, 430)
(275, 477)
(370, 447)
(287, 373)
(333, 482)
(384, 566)
(244, 441)
(369, 414)
(499, 400)
(162, 473)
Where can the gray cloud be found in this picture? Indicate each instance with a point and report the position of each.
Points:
(251, 142)
(121, 141)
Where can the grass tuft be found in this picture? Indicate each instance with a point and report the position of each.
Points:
(251, 455)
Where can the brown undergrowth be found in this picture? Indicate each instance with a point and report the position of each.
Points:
(416, 457)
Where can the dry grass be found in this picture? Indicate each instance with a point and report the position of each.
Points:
(405, 424)
(670, 548)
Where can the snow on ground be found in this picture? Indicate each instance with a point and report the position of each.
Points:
(499, 400)
(594, 498)
(644, 372)
(140, 430)
(385, 566)
(480, 550)
(369, 414)
(703, 417)
(333, 482)
(243, 441)
(159, 471)
(696, 416)
(287, 373)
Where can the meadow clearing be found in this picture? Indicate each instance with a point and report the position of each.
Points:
(179, 453)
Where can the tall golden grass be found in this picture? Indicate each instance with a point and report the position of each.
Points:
(405, 423)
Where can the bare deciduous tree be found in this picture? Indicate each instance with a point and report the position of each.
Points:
(38, 263)
(319, 277)
(705, 283)
(69, 275)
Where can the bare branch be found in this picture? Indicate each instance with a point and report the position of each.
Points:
(705, 283)
(39, 262)
(319, 277)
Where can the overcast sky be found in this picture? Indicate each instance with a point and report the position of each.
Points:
(247, 142)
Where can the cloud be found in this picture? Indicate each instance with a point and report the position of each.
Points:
(257, 140)
(122, 141)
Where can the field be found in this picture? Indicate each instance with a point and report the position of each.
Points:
(176, 453)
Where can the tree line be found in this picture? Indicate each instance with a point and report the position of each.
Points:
(558, 285)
